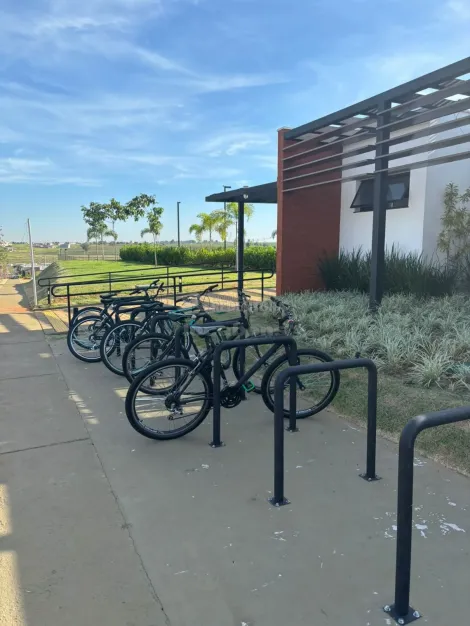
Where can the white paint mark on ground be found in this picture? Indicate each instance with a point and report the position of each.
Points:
(185, 571)
(447, 527)
(205, 466)
(421, 528)
(418, 462)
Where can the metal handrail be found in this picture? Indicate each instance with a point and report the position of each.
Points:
(401, 610)
(174, 283)
(49, 279)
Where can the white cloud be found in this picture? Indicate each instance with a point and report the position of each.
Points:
(232, 143)
(458, 9)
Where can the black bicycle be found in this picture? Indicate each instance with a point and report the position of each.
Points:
(147, 348)
(172, 397)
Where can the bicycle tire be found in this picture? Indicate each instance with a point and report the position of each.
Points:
(108, 348)
(71, 338)
(86, 312)
(267, 384)
(133, 345)
(136, 385)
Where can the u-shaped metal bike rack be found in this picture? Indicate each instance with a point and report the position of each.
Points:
(369, 475)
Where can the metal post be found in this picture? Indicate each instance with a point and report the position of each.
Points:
(371, 424)
(110, 282)
(174, 290)
(68, 303)
(262, 285)
(241, 244)
(380, 208)
(278, 498)
(225, 213)
(216, 373)
(401, 610)
(33, 268)
(292, 428)
(178, 221)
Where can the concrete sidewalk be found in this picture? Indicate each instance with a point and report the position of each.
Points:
(101, 515)
(66, 555)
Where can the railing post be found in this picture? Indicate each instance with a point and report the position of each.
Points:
(370, 474)
(262, 285)
(110, 289)
(216, 372)
(174, 290)
(68, 303)
(401, 611)
(292, 428)
(278, 498)
(222, 281)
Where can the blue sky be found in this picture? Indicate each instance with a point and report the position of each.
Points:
(103, 98)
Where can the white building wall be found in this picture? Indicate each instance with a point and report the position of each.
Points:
(438, 177)
(404, 227)
(417, 227)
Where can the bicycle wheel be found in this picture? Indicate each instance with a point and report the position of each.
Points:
(318, 388)
(181, 399)
(114, 343)
(86, 312)
(84, 338)
(252, 354)
(143, 351)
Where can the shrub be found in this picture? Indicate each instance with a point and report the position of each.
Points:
(406, 273)
(425, 342)
(256, 257)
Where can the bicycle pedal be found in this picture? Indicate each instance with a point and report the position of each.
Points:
(249, 387)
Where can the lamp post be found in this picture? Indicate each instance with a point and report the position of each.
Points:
(178, 221)
(225, 214)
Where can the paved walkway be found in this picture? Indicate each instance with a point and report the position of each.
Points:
(104, 525)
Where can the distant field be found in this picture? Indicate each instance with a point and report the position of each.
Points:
(146, 273)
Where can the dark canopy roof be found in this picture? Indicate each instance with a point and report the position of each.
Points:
(259, 194)
(417, 100)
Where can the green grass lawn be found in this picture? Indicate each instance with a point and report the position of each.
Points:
(78, 271)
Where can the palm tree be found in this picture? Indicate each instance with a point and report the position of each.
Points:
(93, 233)
(154, 227)
(223, 221)
(113, 234)
(232, 210)
(198, 231)
(208, 223)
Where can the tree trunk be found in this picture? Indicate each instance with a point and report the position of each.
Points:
(96, 241)
(115, 244)
(102, 248)
(155, 249)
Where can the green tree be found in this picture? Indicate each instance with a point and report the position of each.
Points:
(208, 223)
(154, 226)
(454, 238)
(197, 230)
(92, 233)
(232, 211)
(85, 246)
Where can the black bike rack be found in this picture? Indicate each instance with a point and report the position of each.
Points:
(401, 610)
(217, 368)
(279, 499)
